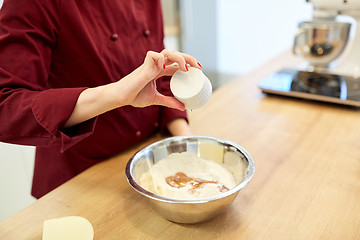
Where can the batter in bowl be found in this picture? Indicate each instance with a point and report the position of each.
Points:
(187, 176)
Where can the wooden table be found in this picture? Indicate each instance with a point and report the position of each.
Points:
(306, 184)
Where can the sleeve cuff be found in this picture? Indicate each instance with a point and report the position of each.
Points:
(53, 107)
(75, 134)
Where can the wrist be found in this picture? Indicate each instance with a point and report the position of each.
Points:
(179, 127)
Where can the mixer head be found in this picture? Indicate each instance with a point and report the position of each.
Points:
(321, 41)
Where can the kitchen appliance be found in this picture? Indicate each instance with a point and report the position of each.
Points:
(332, 69)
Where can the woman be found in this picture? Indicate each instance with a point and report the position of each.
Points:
(74, 82)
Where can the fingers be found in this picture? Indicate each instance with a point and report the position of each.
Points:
(169, 71)
(181, 58)
(166, 63)
(191, 60)
(169, 102)
(158, 58)
(166, 58)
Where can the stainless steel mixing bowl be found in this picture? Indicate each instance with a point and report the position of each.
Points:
(321, 42)
(192, 210)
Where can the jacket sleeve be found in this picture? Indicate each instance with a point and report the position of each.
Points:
(31, 113)
(168, 114)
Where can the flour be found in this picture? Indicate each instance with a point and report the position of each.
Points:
(187, 176)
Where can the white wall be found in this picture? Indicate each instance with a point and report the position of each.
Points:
(236, 36)
(16, 171)
(253, 32)
(199, 31)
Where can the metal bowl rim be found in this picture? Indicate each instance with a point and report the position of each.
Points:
(234, 190)
(323, 24)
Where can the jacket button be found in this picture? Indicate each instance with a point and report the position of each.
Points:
(156, 124)
(147, 33)
(114, 37)
(138, 133)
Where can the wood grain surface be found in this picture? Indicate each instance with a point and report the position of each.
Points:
(306, 183)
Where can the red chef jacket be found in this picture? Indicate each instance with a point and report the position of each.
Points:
(50, 51)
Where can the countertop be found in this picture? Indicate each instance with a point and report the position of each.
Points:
(306, 184)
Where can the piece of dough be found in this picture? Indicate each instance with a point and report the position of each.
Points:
(69, 228)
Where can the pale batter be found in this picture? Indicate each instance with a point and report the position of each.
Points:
(187, 176)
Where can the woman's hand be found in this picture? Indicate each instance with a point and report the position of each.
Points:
(137, 89)
(141, 83)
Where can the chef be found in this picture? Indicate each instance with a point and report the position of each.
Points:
(83, 80)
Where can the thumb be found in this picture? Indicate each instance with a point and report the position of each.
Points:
(170, 102)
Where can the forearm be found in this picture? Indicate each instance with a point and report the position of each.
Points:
(93, 102)
(179, 127)
(98, 100)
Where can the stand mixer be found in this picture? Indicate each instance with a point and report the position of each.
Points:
(332, 70)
